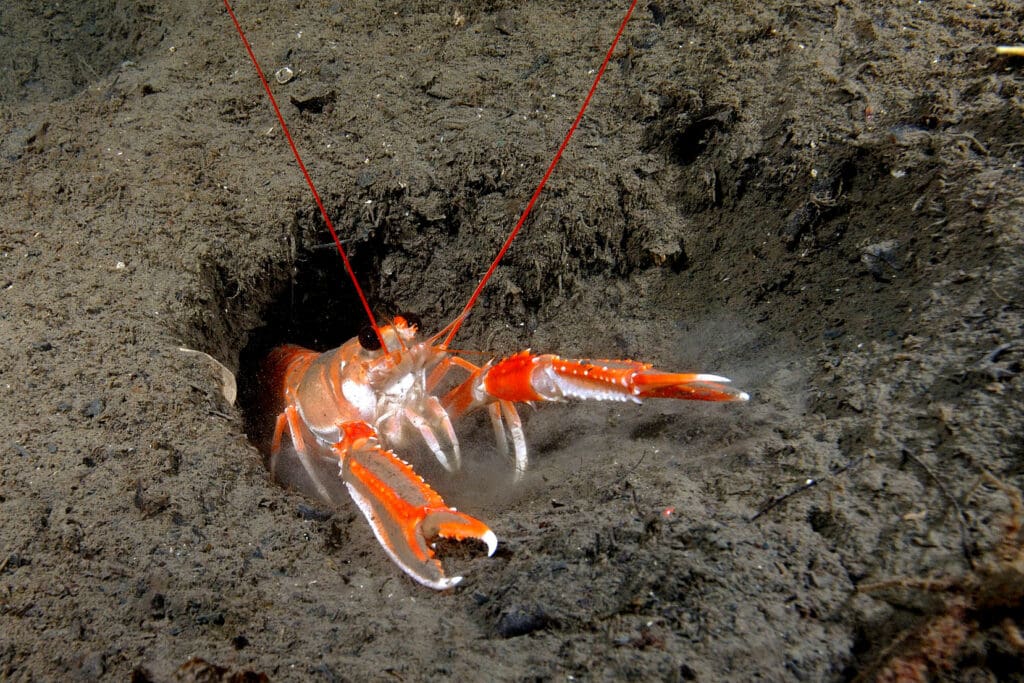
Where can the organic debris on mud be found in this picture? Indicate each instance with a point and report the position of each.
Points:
(989, 595)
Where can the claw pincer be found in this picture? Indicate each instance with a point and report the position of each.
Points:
(526, 377)
(346, 409)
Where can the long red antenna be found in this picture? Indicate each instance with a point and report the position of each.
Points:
(461, 318)
(453, 328)
(305, 173)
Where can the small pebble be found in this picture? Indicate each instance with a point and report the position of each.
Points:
(519, 621)
(284, 74)
(94, 408)
(215, 618)
(313, 514)
(881, 258)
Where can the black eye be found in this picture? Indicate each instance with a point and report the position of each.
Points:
(368, 339)
(413, 319)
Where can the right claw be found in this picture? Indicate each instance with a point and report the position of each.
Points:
(527, 377)
(406, 514)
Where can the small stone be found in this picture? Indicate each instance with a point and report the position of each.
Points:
(284, 74)
(505, 23)
(94, 408)
(215, 618)
(881, 258)
(14, 560)
(365, 178)
(313, 514)
(92, 666)
(912, 342)
(519, 621)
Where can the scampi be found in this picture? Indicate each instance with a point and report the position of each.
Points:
(342, 418)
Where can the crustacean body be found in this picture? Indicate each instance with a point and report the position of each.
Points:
(347, 409)
(347, 413)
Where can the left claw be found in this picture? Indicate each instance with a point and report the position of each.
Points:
(526, 377)
(406, 514)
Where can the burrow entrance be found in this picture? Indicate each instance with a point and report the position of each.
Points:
(315, 304)
(316, 307)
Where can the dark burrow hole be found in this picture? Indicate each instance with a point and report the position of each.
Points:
(318, 308)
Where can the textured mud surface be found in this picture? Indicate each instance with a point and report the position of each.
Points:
(822, 201)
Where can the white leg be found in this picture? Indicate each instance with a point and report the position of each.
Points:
(515, 430)
(499, 428)
(439, 416)
(421, 425)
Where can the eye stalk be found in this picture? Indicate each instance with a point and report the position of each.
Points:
(411, 319)
(368, 339)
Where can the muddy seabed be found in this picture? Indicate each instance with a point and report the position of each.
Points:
(822, 201)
